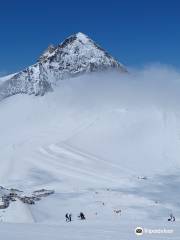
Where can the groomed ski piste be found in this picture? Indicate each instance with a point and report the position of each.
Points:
(107, 145)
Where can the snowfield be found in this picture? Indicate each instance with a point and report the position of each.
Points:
(109, 146)
(83, 230)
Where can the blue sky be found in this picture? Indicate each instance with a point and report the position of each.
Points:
(135, 32)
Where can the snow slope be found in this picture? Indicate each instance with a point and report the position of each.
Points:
(89, 140)
(81, 231)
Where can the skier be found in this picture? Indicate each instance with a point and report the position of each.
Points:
(70, 217)
(82, 216)
(67, 217)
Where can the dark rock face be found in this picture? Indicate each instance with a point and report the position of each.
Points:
(11, 195)
(77, 55)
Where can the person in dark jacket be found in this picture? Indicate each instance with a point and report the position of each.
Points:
(67, 217)
(82, 216)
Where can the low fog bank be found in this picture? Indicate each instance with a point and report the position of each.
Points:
(134, 119)
(155, 85)
(127, 120)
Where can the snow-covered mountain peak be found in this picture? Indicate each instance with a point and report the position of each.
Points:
(75, 38)
(76, 55)
(82, 37)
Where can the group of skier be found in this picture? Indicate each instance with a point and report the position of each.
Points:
(81, 216)
(68, 216)
(171, 218)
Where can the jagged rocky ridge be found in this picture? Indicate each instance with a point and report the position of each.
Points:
(78, 54)
(10, 195)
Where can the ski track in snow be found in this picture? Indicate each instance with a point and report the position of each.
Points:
(80, 163)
